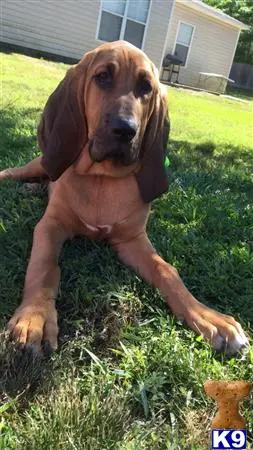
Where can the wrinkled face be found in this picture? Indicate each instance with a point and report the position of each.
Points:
(119, 98)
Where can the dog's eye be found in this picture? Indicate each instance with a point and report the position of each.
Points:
(103, 79)
(144, 87)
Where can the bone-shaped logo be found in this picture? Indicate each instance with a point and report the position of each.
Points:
(228, 395)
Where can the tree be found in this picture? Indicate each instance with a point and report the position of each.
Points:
(241, 10)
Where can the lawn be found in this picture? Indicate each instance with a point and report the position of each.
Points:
(127, 375)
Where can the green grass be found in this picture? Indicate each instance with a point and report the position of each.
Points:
(127, 375)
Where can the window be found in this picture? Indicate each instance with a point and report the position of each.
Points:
(183, 41)
(123, 19)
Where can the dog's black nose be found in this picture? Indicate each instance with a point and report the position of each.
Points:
(124, 129)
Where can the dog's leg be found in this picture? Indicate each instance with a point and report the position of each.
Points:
(33, 169)
(36, 318)
(219, 329)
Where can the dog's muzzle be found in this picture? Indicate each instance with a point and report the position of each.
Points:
(118, 145)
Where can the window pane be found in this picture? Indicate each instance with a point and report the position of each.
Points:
(138, 10)
(181, 52)
(110, 26)
(134, 33)
(114, 6)
(184, 34)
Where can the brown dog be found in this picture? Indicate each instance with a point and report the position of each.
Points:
(102, 134)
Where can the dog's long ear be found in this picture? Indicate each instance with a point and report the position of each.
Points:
(62, 132)
(152, 178)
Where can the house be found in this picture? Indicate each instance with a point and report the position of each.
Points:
(203, 37)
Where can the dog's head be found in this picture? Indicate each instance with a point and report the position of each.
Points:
(112, 104)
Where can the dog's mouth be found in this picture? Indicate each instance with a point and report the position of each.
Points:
(121, 154)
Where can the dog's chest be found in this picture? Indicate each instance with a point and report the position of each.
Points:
(99, 203)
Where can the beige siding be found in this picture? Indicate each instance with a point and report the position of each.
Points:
(212, 46)
(62, 27)
(157, 28)
(69, 27)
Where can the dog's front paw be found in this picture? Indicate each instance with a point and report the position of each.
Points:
(222, 331)
(33, 324)
(5, 174)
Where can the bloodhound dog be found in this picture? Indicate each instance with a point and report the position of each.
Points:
(103, 135)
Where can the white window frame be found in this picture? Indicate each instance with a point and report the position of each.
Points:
(124, 21)
(190, 45)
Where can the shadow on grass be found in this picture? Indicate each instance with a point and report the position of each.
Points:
(22, 373)
(18, 140)
(210, 157)
(245, 94)
(210, 166)
(201, 225)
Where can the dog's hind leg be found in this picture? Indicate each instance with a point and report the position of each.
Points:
(33, 169)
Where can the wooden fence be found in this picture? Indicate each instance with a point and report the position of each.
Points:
(242, 74)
